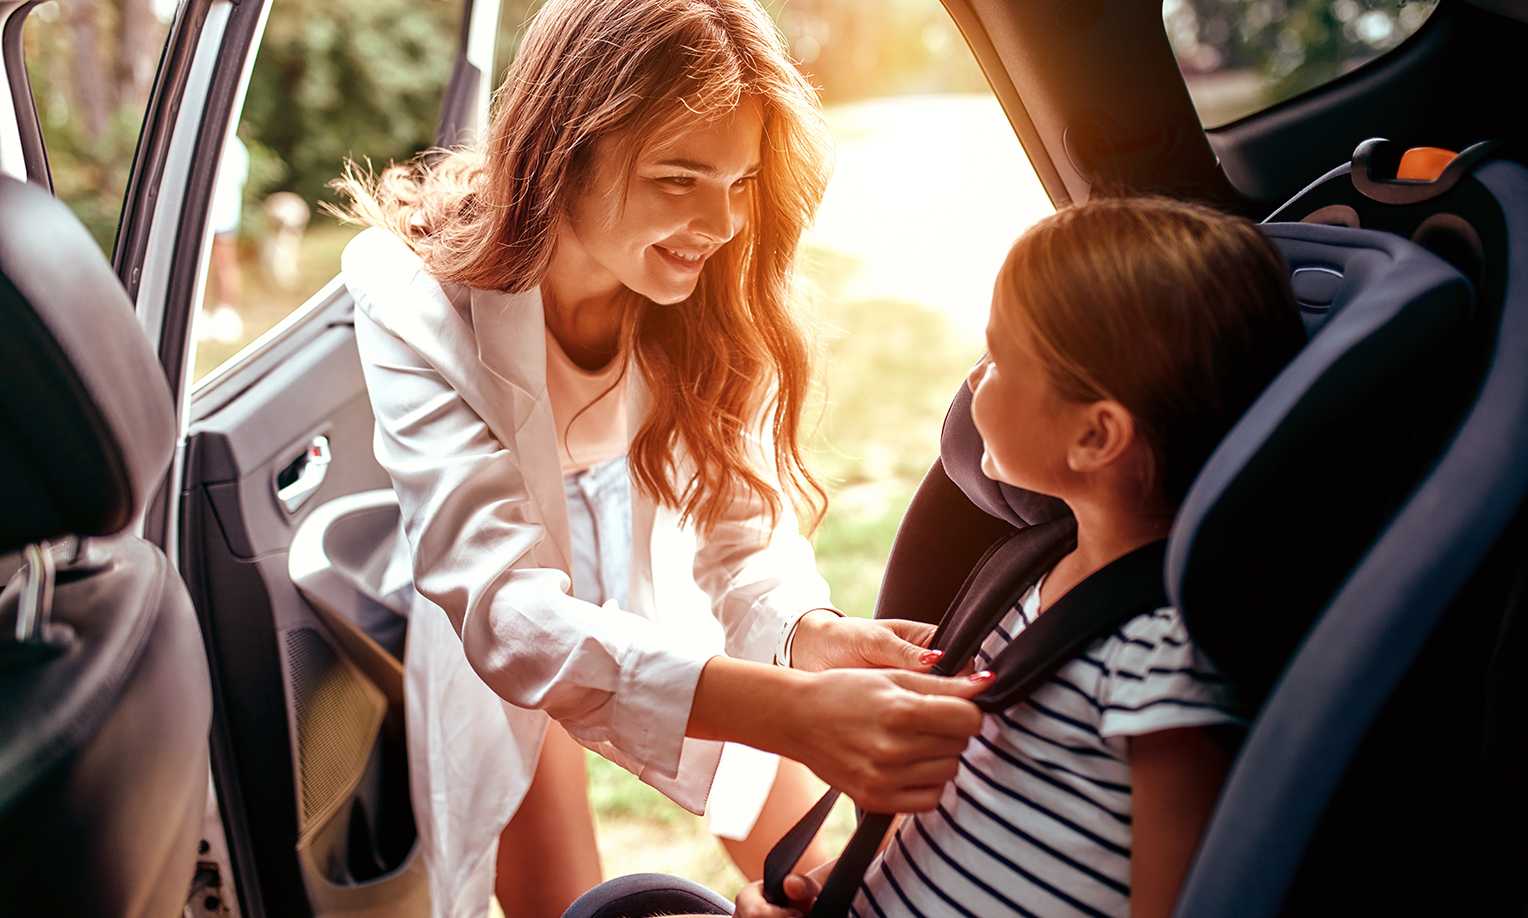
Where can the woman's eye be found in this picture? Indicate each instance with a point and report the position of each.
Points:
(744, 183)
(678, 181)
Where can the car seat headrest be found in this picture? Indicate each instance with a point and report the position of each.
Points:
(89, 422)
(960, 450)
(1307, 479)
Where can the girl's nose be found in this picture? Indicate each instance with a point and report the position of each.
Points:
(975, 376)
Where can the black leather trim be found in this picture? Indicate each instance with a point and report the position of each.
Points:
(103, 748)
(87, 412)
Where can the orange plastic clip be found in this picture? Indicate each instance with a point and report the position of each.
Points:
(1424, 164)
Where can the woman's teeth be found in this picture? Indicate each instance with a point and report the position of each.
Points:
(682, 256)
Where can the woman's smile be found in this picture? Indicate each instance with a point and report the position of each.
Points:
(688, 261)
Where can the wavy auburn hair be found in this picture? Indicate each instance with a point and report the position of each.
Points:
(728, 367)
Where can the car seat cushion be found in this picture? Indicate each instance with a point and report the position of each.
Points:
(960, 449)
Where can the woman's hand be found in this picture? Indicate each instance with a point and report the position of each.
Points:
(888, 738)
(825, 640)
(802, 890)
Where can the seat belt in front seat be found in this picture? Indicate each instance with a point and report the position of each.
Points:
(1124, 588)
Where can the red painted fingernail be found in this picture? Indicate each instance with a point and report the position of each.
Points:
(931, 656)
(982, 676)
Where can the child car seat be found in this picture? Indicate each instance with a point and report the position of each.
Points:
(1349, 556)
(1379, 775)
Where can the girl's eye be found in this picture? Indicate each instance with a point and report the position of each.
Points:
(745, 183)
(678, 181)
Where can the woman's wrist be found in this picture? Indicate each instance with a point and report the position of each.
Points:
(792, 635)
(745, 702)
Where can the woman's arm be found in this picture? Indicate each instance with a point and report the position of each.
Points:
(761, 575)
(888, 738)
(1175, 779)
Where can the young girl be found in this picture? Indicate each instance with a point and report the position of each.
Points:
(1126, 337)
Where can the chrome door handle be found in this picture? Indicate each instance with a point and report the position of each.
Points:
(304, 474)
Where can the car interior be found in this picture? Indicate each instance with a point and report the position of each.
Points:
(205, 674)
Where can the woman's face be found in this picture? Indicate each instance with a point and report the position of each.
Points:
(687, 195)
(1024, 423)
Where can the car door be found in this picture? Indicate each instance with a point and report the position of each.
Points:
(313, 812)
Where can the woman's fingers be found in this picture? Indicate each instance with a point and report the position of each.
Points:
(803, 891)
(752, 904)
(920, 633)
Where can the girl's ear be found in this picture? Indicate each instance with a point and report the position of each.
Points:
(1104, 433)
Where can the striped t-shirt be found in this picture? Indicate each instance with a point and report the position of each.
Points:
(1037, 820)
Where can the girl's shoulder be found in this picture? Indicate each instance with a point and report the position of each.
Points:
(1154, 677)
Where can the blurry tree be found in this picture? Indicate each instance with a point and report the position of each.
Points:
(91, 63)
(1294, 44)
(338, 78)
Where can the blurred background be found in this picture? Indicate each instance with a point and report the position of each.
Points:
(930, 189)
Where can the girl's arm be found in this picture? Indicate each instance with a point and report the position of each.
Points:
(1175, 778)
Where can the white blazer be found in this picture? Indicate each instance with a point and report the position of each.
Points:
(457, 381)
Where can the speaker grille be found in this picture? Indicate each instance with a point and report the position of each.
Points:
(337, 715)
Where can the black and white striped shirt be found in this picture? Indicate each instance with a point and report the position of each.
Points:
(1037, 821)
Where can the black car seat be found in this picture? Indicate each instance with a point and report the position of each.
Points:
(104, 727)
(1362, 417)
(1384, 772)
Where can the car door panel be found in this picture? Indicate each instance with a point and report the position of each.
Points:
(308, 740)
(314, 745)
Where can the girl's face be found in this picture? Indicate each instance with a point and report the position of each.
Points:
(687, 195)
(1025, 426)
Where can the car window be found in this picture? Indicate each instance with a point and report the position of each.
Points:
(1240, 56)
(91, 67)
(331, 80)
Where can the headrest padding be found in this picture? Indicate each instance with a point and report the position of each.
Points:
(960, 450)
(87, 413)
(1305, 482)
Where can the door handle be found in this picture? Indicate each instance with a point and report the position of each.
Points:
(301, 478)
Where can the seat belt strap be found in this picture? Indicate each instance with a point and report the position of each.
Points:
(1127, 587)
(1013, 562)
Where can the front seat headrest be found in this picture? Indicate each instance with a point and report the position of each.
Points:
(88, 416)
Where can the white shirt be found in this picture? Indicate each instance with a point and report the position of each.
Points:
(464, 427)
(1038, 818)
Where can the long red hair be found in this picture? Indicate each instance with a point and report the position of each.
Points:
(729, 368)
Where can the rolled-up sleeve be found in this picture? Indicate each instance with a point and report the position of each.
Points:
(479, 549)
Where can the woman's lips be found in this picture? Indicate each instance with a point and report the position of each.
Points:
(688, 262)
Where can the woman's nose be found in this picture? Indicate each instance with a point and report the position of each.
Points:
(719, 217)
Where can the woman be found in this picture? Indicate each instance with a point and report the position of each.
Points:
(583, 318)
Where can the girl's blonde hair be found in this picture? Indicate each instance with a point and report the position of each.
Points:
(1178, 312)
(590, 71)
